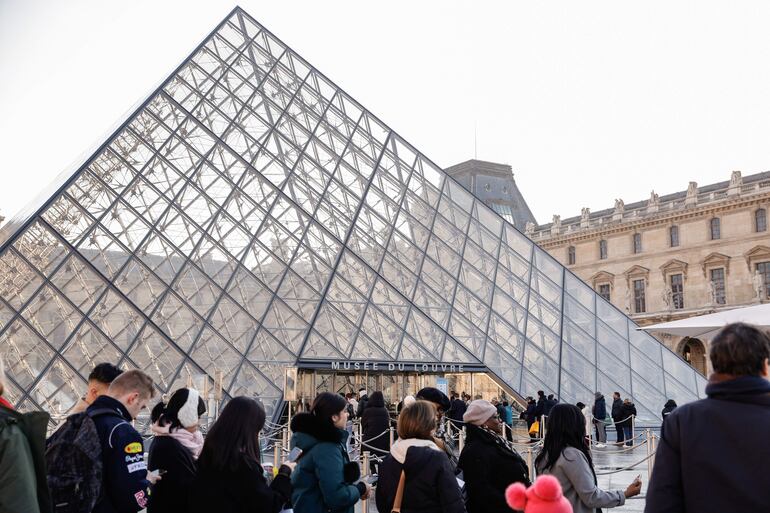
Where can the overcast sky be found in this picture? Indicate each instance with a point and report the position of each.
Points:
(588, 101)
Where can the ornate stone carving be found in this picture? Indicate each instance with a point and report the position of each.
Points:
(585, 214)
(653, 205)
(736, 182)
(692, 194)
(758, 283)
(556, 225)
(620, 207)
(529, 228)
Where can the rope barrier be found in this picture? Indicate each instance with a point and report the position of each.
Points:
(626, 468)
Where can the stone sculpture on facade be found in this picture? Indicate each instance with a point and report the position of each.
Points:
(692, 194)
(620, 207)
(654, 203)
(556, 225)
(759, 286)
(585, 214)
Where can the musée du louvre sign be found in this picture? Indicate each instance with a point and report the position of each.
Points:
(377, 366)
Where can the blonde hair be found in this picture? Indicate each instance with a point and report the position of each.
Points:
(133, 381)
(417, 420)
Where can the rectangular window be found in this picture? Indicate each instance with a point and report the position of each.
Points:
(603, 250)
(639, 304)
(674, 236)
(716, 229)
(571, 255)
(637, 243)
(677, 291)
(760, 218)
(764, 271)
(604, 291)
(718, 284)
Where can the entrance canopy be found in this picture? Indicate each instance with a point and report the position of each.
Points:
(706, 326)
(251, 217)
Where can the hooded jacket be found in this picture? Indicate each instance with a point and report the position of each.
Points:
(626, 411)
(617, 404)
(323, 479)
(689, 477)
(431, 486)
(668, 408)
(375, 422)
(600, 408)
(23, 487)
(489, 466)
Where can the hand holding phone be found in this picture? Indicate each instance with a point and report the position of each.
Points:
(294, 455)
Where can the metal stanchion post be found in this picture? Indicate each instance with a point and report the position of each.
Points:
(461, 442)
(649, 453)
(633, 430)
(391, 436)
(285, 438)
(365, 472)
(358, 436)
(276, 455)
(530, 466)
(653, 450)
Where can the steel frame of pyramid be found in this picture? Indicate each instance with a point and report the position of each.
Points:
(251, 216)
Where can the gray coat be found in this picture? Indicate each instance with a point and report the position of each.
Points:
(577, 483)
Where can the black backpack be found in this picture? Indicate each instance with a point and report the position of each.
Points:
(74, 459)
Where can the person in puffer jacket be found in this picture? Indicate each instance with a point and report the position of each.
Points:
(430, 483)
(325, 480)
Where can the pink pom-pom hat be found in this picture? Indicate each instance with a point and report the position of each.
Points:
(542, 497)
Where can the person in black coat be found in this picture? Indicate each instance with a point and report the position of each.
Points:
(668, 408)
(230, 478)
(540, 407)
(430, 484)
(617, 404)
(175, 449)
(689, 474)
(363, 398)
(489, 463)
(375, 422)
(457, 408)
(599, 412)
(627, 414)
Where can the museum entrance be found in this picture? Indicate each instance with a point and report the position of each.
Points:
(397, 385)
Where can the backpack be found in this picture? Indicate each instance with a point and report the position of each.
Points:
(74, 459)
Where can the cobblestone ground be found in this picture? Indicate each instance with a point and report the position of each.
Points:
(609, 459)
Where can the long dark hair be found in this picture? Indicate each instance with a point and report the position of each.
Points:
(376, 400)
(325, 405)
(566, 427)
(232, 440)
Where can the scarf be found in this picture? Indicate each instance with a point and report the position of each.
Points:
(193, 442)
(400, 446)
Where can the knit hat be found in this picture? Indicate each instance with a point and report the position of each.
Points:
(478, 412)
(542, 497)
(409, 400)
(435, 396)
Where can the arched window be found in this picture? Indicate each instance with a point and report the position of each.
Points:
(760, 220)
(673, 236)
(716, 231)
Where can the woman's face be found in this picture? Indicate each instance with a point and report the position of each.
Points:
(341, 419)
(494, 423)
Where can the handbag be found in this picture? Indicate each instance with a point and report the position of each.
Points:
(399, 494)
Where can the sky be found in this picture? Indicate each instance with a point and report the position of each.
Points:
(587, 101)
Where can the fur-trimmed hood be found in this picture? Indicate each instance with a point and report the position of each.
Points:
(309, 430)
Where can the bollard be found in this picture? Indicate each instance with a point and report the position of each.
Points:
(649, 453)
(391, 436)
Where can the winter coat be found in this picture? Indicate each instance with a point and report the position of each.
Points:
(617, 404)
(529, 413)
(626, 411)
(125, 488)
(243, 491)
(549, 404)
(375, 421)
(689, 476)
(324, 476)
(508, 415)
(457, 409)
(166, 453)
(489, 465)
(578, 483)
(431, 486)
(23, 486)
(540, 407)
(600, 409)
(668, 408)
(361, 405)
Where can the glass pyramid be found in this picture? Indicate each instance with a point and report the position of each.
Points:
(251, 215)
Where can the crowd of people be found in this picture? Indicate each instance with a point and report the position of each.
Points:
(95, 461)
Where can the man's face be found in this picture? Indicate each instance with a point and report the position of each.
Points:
(616, 396)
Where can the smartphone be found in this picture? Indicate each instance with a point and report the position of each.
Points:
(162, 472)
(638, 479)
(294, 454)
